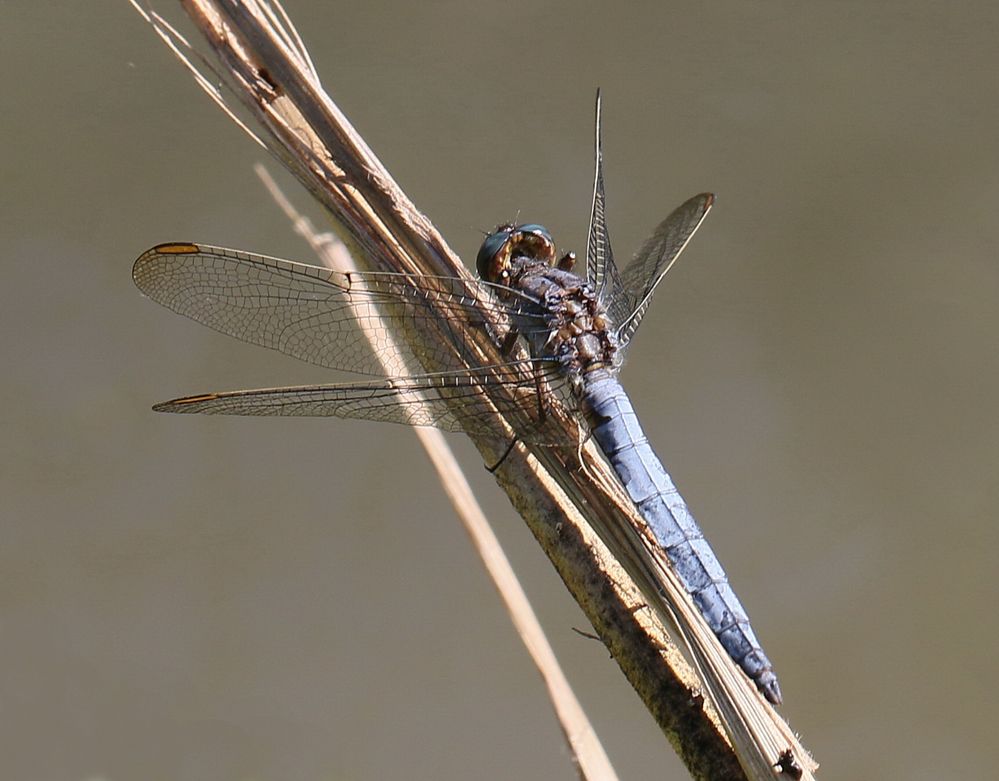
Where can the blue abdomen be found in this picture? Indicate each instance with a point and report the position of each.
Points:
(616, 429)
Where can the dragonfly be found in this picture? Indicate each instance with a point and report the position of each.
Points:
(575, 330)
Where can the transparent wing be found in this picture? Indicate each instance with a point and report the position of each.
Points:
(333, 319)
(600, 269)
(452, 401)
(627, 302)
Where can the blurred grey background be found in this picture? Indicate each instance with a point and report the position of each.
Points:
(188, 598)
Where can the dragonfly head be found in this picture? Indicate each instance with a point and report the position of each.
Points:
(513, 241)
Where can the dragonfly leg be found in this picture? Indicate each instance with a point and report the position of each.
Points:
(509, 342)
(539, 395)
(542, 413)
(509, 448)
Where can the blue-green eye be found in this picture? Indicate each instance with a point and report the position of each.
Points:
(490, 248)
(508, 241)
(539, 230)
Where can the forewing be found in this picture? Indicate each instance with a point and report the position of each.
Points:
(639, 280)
(339, 320)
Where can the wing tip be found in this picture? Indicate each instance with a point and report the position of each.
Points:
(170, 248)
(167, 248)
(184, 404)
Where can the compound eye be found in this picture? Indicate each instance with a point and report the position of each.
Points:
(534, 241)
(494, 254)
(540, 231)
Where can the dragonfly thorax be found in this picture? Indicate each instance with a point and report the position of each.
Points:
(579, 334)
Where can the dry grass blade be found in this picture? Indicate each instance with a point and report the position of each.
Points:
(612, 573)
